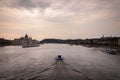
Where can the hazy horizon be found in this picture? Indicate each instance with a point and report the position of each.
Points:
(61, 19)
(55, 38)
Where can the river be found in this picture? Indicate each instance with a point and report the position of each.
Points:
(38, 63)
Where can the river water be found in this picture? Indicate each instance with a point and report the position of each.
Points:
(38, 63)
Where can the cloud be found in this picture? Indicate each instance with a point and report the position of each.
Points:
(70, 6)
(63, 10)
(77, 17)
(26, 4)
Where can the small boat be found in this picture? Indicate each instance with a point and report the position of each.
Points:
(30, 45)
(111, 51)
(59, 58)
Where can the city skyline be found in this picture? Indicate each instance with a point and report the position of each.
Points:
(59, 19)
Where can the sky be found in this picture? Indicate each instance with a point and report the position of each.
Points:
(61, 19)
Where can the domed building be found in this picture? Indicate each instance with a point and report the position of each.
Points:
(25, 41)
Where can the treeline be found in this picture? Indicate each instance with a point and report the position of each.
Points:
(52, 41)
(61, 41)
(5, 42)
(104, 41)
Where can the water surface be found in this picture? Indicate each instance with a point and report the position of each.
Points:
(38, 63)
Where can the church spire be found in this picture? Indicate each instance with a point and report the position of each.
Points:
(26, 36)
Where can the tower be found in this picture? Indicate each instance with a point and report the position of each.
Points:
(26, 36)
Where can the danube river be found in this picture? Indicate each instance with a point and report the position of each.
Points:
(38, 63)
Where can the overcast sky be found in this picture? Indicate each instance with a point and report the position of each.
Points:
(59, 18)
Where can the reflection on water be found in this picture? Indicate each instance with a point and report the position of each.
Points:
(80, 63)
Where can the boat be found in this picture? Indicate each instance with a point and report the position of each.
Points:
(111, 51)
(59, 58)
(30, 45)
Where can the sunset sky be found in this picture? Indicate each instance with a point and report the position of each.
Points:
(61, 19)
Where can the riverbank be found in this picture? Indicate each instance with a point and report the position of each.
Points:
(115, 50)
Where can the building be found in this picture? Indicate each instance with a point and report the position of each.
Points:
(25, 40)
(119, 42)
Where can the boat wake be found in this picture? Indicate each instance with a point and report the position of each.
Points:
(57, 71)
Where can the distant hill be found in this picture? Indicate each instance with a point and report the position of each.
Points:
(61, 41)
(104, 41)
(52, 41)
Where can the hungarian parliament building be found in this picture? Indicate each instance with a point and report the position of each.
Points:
(25, 41)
